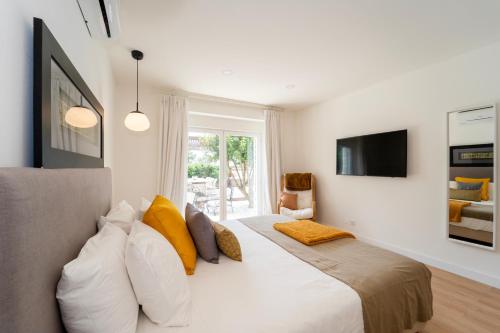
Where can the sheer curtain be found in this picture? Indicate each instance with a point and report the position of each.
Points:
(173, 149)
(273, 158)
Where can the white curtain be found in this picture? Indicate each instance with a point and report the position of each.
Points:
(173, 149)
(273, 157)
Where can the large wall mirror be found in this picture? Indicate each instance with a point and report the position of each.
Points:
(472, 176)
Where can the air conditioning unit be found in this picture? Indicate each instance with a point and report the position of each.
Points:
(485, 114)
(101, 17)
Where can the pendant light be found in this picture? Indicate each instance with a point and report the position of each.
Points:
(136, 120)
(80, 116)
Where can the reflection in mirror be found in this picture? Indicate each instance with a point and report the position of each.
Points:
(80, 131)
(471, 170)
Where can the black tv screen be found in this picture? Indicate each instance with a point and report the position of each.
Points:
(382, 154)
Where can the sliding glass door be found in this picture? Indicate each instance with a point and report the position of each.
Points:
(222, 172)
(203, 183)
(241, 168)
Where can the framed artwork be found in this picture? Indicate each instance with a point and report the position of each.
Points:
(61, 101)
(472, 155)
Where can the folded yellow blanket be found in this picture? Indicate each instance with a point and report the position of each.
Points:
(311, 233)
(455, 208)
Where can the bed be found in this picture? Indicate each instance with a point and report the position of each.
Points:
(238, 298)
(47, 215)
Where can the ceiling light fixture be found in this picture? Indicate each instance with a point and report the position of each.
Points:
(290, 86)
(227, 72)
(136, 120)
(80, 116)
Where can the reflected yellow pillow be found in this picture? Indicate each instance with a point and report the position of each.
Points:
(484, 189)
(165, 218)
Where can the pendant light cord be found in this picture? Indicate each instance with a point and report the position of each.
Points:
(137, 86)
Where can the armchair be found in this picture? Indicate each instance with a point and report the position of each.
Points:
(306, 201)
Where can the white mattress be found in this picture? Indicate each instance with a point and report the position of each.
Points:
(270, 291)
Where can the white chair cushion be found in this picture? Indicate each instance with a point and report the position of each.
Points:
(304, 198)
(299, 214)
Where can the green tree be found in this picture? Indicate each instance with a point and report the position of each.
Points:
(240, 160)
(203, 170)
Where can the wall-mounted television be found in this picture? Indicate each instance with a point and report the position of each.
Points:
(382, 154)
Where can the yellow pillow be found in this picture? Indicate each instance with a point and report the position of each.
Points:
(484, 189)
(165, 218)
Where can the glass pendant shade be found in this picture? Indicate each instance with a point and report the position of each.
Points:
(79, 116)
(137, 121)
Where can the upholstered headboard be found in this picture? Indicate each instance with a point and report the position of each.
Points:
(45, 218)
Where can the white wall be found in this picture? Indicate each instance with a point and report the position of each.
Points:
(64, 20)
(405, 214)
(136, 154)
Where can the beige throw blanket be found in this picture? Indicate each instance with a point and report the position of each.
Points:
(395, 291)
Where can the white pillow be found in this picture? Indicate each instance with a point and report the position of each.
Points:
(124, 225)
(145, 204)
(94, 292)
(122, 215)
(304, 198)
(158, 277)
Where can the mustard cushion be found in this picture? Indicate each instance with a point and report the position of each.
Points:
(165, 218)
(227, 242)
(484, 188)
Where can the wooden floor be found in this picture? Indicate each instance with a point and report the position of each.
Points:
(462, 305)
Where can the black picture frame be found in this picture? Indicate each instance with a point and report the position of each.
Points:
(455, 160)
(46, 48)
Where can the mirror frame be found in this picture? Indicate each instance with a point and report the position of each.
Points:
(495, 167)
(45, 49)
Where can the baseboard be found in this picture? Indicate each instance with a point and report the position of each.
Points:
(459, 270)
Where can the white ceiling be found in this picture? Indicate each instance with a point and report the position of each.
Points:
(323, 48)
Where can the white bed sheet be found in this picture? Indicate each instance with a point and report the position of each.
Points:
(270, 291)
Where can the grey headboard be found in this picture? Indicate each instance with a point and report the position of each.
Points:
(45, 218)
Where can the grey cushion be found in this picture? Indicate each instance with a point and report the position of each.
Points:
(469, 186)
(200, 227)
(45, 218)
